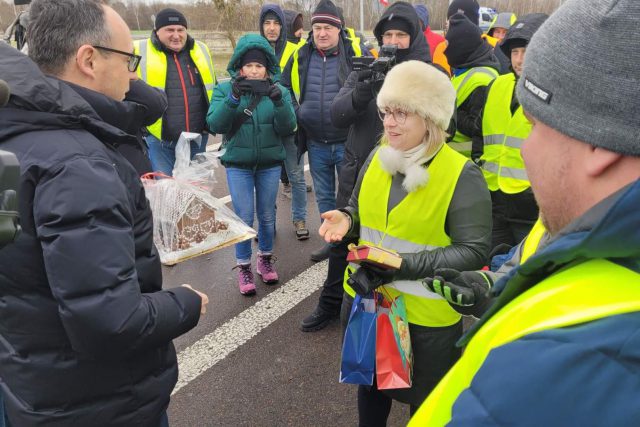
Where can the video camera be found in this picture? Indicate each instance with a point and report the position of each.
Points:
(379, 66)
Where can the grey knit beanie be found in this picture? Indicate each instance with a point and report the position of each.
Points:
(582, 73)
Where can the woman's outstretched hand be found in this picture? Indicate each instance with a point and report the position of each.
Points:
(335, 225)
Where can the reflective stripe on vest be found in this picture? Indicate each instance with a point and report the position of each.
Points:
(415, 224)
(532, 241)
(503, 135)
(570, 297)
(464, 85)
(153, 70)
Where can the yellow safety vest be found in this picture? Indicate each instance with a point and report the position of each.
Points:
(289, 48)
(503, 135)
(295, 70)
(153, 70)
(464, 85)
(532, 241)
(355, 41)
(416, 224)
(569, 297)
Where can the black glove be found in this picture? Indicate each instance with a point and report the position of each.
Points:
(361, 95)
(275, 94)
(239, 86)
(463, 289)
(368, 277)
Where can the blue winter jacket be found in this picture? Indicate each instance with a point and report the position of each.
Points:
(584, 375)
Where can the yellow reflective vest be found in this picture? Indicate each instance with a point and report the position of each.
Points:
(532, 241)
(355, 40)
(464, 85)
(416, 224)
(569, 297)
(153, 70)
(289, 48)
(295, 69)
(503, 135)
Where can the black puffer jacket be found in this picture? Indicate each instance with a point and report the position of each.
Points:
(183, 78)
(365, 126)
(142, 106)
(85, 329)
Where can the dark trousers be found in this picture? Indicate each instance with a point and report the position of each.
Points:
(513, 217)
(434, 353)
(332, 289)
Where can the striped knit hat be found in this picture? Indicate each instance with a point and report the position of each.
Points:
(326, 13)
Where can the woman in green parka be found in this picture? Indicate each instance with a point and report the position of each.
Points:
(253, 112)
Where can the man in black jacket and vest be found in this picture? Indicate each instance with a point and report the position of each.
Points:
(322, 65)
(85, 327)
(182, 67)
(354, 109)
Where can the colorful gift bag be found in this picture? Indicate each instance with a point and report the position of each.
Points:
(394, 358)
(359, 347)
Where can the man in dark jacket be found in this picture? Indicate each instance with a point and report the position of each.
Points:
(474, 66)
(85, 327)
(354, 108)
(182, 67)
(561, 344)
(322, 65)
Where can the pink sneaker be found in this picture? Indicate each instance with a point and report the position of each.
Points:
(246, 283)
(265, 269)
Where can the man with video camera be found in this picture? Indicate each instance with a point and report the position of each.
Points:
(355, 107)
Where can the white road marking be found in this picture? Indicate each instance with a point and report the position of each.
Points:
(214, 347)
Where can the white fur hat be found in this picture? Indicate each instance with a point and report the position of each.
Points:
(417, 87)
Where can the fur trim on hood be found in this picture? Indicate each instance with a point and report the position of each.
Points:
(420, 88)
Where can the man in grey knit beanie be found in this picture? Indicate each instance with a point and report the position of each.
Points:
(560, 346)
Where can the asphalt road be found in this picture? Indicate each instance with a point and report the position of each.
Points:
(247, 363)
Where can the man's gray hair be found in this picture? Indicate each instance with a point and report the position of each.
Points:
(59, 27)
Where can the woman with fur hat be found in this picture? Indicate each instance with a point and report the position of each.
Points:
(417, 196)
(253, 146)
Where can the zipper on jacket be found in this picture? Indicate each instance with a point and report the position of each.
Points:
(193, 82)
(324, 68)
(184, 92)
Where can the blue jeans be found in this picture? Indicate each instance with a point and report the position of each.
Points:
(295, 172)
(325, 161)
(265, 182)
(163, 153)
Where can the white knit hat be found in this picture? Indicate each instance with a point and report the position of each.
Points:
(417, 87)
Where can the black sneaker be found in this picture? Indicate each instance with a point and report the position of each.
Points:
(317, 320)
(321, 254)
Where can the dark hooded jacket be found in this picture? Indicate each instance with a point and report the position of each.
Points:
(365, 126)
(291, 16)
(85, 328)
(466, 50)
(145, 104)
(282, 39)
(531, 23)
(580, 375)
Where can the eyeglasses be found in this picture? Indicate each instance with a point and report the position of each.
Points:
(134, 60)
(399, 116)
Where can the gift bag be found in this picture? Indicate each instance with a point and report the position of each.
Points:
(359, 346)
(394, 358)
